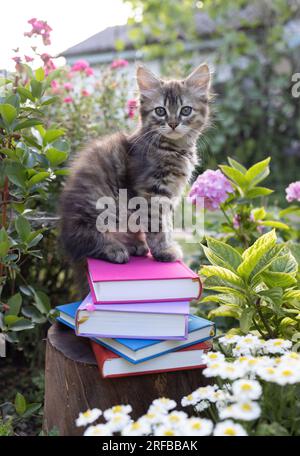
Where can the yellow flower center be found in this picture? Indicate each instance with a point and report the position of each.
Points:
(190, 397)
(135, 426)
(270, 370)
(229, 431)
(169, 432)
(174, 418)
(117, 419)
(197, 426)
(87, 414)
(246, 407)
(246, 387)
(213, 355)
(252, 362)
(287, 373)
(278, 343)
(117, 409)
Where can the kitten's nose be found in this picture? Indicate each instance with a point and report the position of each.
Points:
(173, 124)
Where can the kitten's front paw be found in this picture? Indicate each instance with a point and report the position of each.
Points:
(139, 249)
(116, 254)
(170, 254)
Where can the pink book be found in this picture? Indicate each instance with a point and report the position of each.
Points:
(168, 321)
(142, 279)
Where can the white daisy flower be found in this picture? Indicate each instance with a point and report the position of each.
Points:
(165, 430)
(217, 396)
(117, 409)
(231, 371)
(204, 392)
(229, 339)
(291, 357)
(175, 419)
(165, 403)
(274, 346)
(153, 416)
(246, 389)
(287, 374)
(197, 426)
(190, 399)
(212, 357)
(245, 411)
(140, 427)
(118, 421)
(97, 431)
(229, 429)
(213, 369)
(203, 405)
(88, 417)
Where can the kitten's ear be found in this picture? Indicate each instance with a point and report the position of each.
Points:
(146, 80)
(199, 78)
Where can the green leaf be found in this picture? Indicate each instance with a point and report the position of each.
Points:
(15, 303)
(4, 242)
(42, 302)
(257, 192)
(278, 279)
(16, 173)
(253, 254)
(34, 239)
(20, 404)
(273, 294)
(36, 88)
(50, 100)
(25, 93)
(52, 135)
(295, 250)
(27, 124)
(21, 325)
(235, 175)
(56, 157)
(31, 409)
(224, 251)
(8, 113)
(222, 273)
(266, 260)
(284, 263)
(34, 315)
(40, 74)
(23, 228)
(258, 172)
(234, 164)
(258, 213)
(246, 319)
(38, 177)
(275, 429)
(223, 286)
(275, 224)
(291, 294)
(225, 311)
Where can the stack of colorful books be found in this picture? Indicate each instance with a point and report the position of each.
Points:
(138, 318)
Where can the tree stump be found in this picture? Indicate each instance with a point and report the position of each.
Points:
(73, 383)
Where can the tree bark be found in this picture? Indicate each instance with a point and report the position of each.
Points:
(74, 384)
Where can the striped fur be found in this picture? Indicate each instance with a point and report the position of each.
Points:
(156, 160)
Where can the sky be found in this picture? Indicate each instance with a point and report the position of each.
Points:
(71, 20)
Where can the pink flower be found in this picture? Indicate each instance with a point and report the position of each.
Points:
(68, 100)
(28, 58)
(131, 108)
(293, 192)
(236, 221)
(48, 63)
(119, 63)
(85, 93)
(55, 86)
(213, 187)
(17, 59)
(80, 65)
(68, 86)
(39, 28)
(89, 71)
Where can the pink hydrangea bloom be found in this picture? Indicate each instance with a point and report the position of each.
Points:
(213, 187)
(85, 93)
(89, 71)
(68, 100)
(131, 108)
(293, 192)
(68, 86)
(80, 65)
(28, 58)
(119, 63)
(17, 59)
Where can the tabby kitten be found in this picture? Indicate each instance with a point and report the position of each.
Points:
(156, 160)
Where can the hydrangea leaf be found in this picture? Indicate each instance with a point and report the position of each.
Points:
(225, 252)
(253, 254)
(222, 273)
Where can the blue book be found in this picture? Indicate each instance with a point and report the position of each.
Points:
(140, 350)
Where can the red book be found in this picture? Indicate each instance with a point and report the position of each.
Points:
(112, 365)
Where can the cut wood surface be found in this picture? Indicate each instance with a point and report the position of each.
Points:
(73, 383)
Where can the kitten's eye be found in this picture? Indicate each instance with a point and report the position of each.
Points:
(186, 111)
(160, 111)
